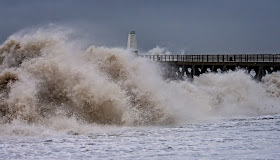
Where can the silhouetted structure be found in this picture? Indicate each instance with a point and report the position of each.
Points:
(194, 65)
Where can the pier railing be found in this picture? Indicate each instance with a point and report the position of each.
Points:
(216, 58)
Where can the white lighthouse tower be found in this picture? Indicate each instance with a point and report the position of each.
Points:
(132, 43)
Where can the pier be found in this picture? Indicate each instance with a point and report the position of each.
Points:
(194, 65)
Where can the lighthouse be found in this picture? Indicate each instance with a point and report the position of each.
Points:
(132, 43)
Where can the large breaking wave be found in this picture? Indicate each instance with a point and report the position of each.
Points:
(50, 83)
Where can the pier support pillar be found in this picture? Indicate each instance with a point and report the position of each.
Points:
(261, 73)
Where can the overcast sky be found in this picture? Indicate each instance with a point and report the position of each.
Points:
(192, 26)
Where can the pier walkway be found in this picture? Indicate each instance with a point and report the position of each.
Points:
(194, 65)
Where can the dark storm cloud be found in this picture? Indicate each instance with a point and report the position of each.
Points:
(191, 25)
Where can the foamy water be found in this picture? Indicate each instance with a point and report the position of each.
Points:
(52, 86)
(246, 138)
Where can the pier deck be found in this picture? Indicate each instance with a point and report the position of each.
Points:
(193, 65)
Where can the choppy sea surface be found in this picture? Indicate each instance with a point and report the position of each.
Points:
(242, 138)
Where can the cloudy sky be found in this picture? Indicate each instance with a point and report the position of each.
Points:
(192, 26)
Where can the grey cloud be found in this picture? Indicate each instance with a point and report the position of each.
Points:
(196, 26)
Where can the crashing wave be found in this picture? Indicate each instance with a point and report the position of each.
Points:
(45, 77)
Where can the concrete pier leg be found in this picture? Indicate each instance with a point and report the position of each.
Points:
(202, 69)
(193, 71)
(224, 68)
(260, 73)
(213, 69)
(180, 71)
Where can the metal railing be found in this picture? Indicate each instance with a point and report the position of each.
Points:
(216, 58)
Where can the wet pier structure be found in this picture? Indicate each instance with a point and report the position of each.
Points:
(179, 66)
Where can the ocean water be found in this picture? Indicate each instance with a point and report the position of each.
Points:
(60, 99)
(242, 138)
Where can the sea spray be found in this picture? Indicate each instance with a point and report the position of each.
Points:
(48, 81)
